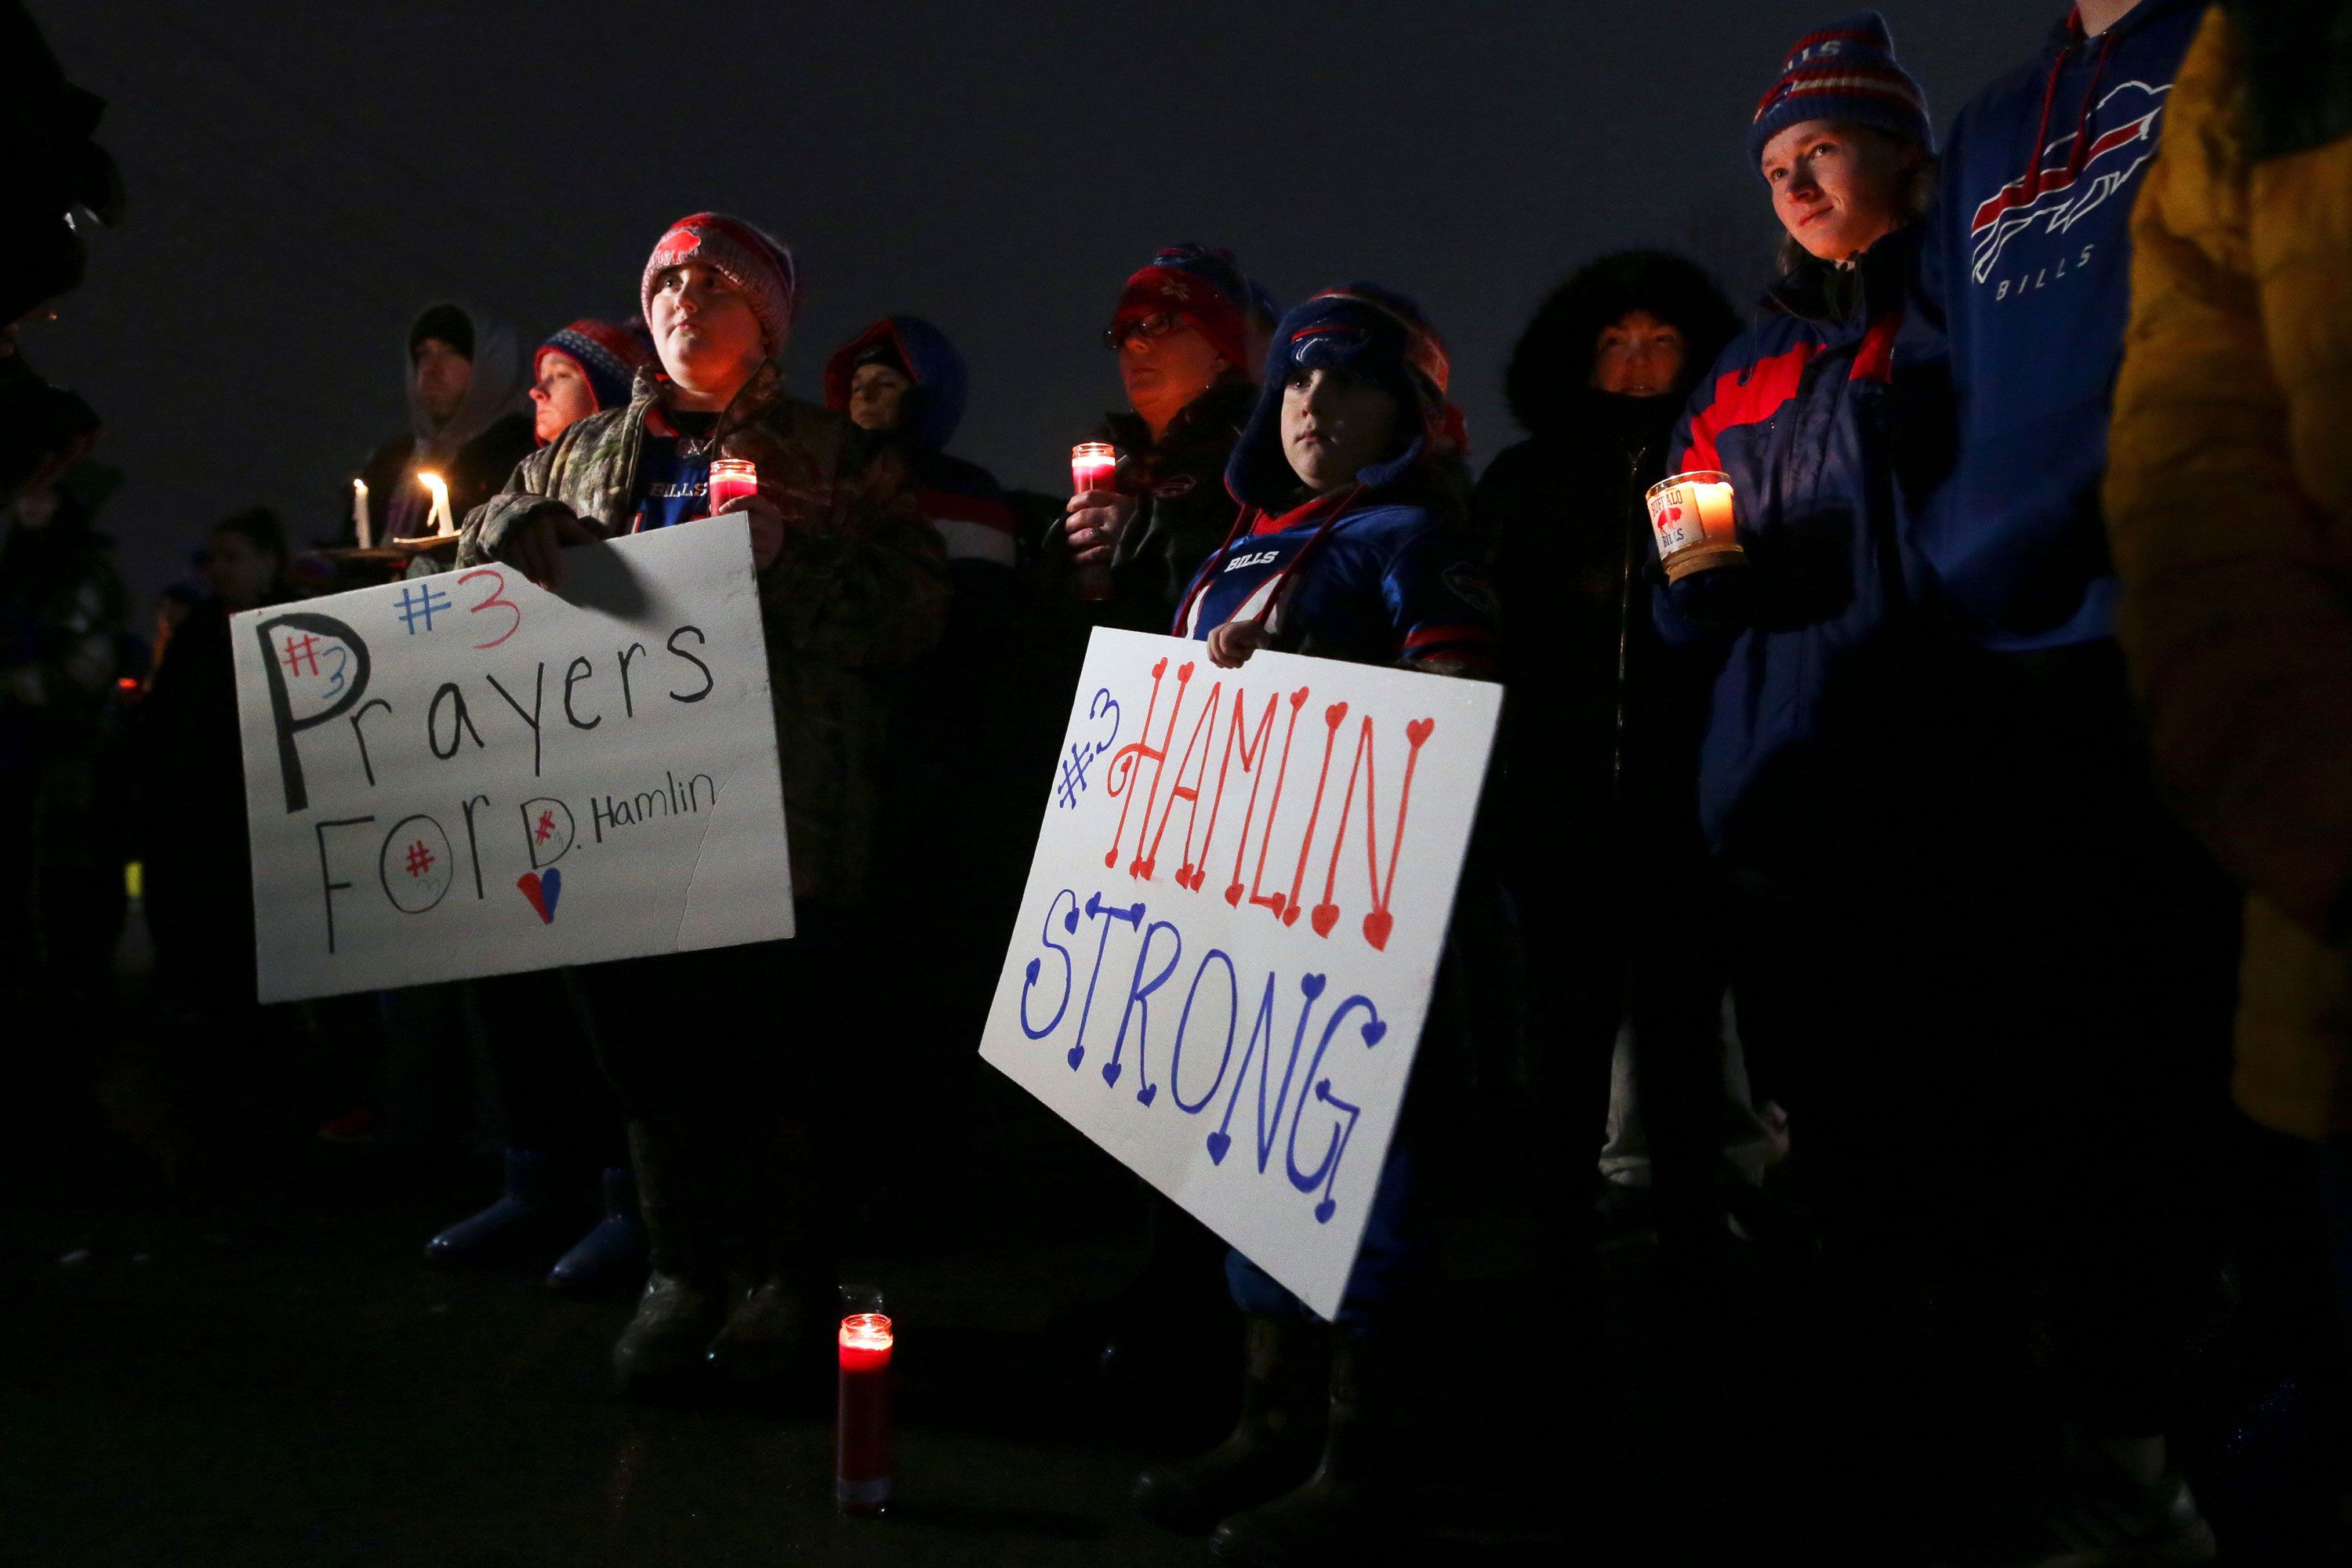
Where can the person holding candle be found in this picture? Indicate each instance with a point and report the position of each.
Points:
(1182, 333)
(1189, 343)
(727, 1126)
(466, 379)
(1351, 543)
(1806, 780)
(1600, 740)
(587, 366)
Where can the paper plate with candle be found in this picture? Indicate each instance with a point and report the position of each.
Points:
(443, 534)
(1690, 514)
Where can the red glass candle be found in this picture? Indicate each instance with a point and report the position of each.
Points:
(1093, 465)
(861, 1448)
(732, 479)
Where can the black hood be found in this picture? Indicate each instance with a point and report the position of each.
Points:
(1548, 383)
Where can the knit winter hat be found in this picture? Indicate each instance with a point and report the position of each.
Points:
(753, 260)
(448, 322)
(1372, 333)
(607, 356)
(1205, 286)
(1845, 72)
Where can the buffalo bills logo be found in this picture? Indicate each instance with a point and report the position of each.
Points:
(677, 245)
(2071, 183)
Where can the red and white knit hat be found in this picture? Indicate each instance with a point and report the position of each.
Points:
(1844, 72)
(750, 258)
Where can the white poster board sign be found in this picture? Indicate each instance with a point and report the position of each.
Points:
(463, 774)
(1225, 952)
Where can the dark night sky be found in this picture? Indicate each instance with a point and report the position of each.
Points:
(303, 177)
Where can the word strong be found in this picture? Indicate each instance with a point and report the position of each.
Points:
(1227, 948)
(420, 757)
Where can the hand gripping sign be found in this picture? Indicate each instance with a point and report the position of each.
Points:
(463, 774)
(1225, 952)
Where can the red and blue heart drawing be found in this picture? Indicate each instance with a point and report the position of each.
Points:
(542, 888)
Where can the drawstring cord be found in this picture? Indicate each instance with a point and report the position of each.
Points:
(2079, 154)
(1246, 524)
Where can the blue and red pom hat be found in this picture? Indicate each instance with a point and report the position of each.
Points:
(1376, 336)
(753, 259)
(1203, 285)
(1845, 72)
(606, 356)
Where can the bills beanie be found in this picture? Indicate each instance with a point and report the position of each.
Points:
(608, 357)
(1845, 72)
(754, 261)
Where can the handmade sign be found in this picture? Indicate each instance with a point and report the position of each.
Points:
(463, 774)
(1231, 925)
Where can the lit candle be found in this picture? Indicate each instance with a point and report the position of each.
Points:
(362, 528)
(732, 479)
(444, 524)
(861, 1471)
(1691, 516)
(1093, 465)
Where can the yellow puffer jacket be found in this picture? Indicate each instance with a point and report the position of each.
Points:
(2228, 500)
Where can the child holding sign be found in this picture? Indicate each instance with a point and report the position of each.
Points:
(1351, 543)
(852, 582)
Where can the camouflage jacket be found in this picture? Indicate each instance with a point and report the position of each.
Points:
(859, 588)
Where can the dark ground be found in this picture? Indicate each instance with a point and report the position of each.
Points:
(250, 1363)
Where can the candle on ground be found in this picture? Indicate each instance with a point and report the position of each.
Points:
(861, 1477)
(362, 528)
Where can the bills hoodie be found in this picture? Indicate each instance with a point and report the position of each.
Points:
(2026, 271)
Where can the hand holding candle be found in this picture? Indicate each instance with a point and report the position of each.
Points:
(1093, 466)
(861, 1474)
(732, 479)
(1691, 516)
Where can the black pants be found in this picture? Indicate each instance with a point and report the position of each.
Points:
(2081, 953)
(736, 1070)
(537, 1045)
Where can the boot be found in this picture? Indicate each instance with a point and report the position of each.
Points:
(780, 1236)
(767, 1339)
(1284, 1370)
(524, 1216)
(685, 1301)
(1354, 1504)
(612, 1255)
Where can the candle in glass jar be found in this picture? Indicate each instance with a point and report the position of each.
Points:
(362, 528)
(732, 479)
(1691, 516)
(1093, 465)
(861, 1475)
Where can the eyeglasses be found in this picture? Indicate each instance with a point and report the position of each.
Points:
(1151, 329)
